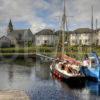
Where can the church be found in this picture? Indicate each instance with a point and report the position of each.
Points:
(20, 37)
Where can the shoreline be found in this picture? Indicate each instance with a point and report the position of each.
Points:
(13, 95)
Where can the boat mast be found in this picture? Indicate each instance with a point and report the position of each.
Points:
(92, 27)
(63, 27)
(96, 25)
(92, 18)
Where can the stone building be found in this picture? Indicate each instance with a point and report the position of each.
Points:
(21, 36)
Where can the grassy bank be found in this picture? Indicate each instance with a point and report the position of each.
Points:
(73, 51)
(26, 50)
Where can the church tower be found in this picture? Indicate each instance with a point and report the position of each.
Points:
(10, 27)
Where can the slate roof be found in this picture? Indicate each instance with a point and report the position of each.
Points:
(83, 30)
(45, 32)
(21, 31)
(5, 38)
(24, 32)
(66, 32)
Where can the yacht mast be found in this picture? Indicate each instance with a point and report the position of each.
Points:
(63, 27)
(92, 18)
(96, 25)
(92, 26)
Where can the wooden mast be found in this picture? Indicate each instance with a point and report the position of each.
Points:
(92, 25)
(92, 18)
(63, 28)
(96, 25)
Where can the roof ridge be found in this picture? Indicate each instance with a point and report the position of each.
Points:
(19, 29)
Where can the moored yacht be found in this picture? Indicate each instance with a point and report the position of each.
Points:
(65, 67)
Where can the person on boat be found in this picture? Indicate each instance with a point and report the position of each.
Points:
(86, 61)
(85, 65)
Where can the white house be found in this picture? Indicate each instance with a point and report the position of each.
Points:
(46, 36)
(84, 36)
(97, 37)
(81, 36)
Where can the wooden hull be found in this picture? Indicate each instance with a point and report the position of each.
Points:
(74, 82)
(64, 77)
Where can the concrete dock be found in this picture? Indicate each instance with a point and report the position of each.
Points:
(13, 95)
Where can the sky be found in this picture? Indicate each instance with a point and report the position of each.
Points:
(41, 14)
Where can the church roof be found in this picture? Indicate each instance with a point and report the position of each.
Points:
(21, 31)
(5, 38)
(24, 34)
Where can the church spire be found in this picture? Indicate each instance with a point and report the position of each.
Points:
(10, 26)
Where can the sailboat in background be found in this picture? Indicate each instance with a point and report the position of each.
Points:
(63, 66)
(92, 70)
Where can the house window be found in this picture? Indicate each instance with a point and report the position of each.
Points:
(86, 41)
(80, 42)
(38, 41)
(97, 42)
(46, 41)
(73, 41)
(20, 37)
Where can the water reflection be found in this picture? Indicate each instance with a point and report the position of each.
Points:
(42, 70)
(93, 87)
(35, 79)
(89, 91)
(10, 73)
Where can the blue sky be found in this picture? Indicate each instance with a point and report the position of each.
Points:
(40, 14)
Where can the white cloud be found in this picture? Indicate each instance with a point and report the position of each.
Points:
(22, 10)
(37, 26)
(27, 10)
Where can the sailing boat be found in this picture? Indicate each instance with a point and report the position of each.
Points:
(92, 70)
(63, 66)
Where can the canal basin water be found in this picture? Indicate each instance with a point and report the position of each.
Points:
(35, 79)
